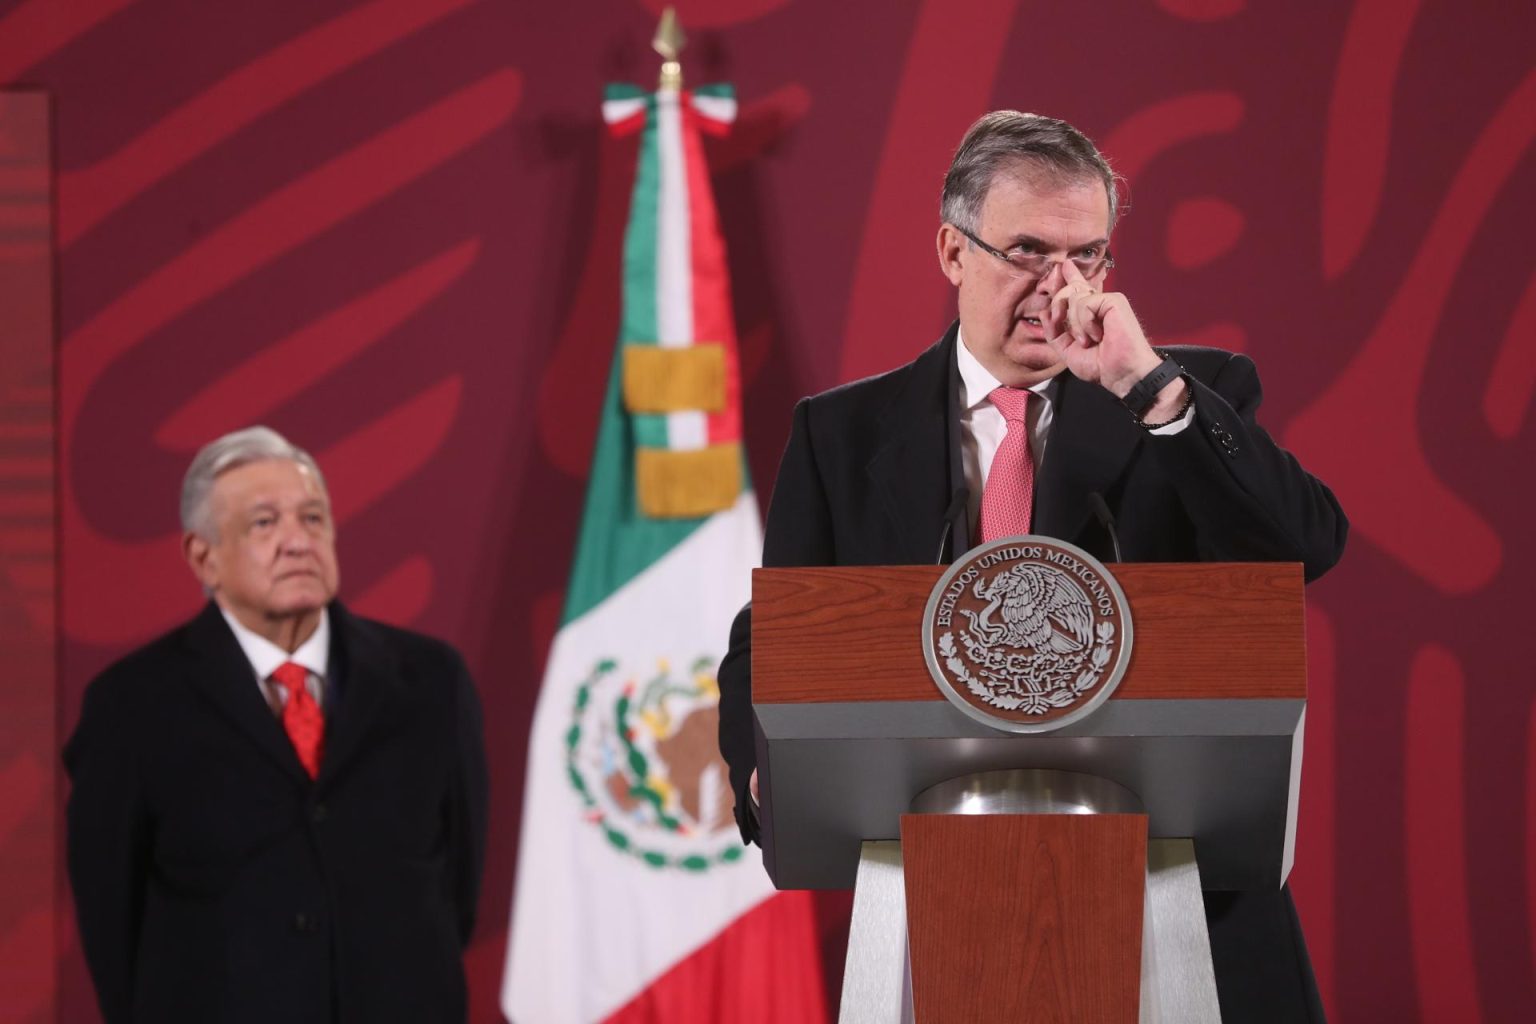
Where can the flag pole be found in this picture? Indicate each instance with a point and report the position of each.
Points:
(669, 42)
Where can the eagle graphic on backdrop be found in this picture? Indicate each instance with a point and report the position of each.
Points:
(1042, 610)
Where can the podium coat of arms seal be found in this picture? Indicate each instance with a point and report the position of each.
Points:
(1027, 634)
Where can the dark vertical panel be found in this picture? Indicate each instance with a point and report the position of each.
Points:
(28, 701)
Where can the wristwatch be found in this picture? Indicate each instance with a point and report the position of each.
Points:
(1143, 394)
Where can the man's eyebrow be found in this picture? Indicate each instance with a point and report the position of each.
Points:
(1041, 243)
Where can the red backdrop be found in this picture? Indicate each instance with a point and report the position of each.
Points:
(391, 230)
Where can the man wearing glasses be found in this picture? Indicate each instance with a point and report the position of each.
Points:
(1044, 399)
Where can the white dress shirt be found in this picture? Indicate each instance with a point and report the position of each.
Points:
(265, 656)
(982, 427)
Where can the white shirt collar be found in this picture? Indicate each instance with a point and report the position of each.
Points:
(978, 383)
(265, 656)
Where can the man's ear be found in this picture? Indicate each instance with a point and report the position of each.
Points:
(201, 559)
(951, 244)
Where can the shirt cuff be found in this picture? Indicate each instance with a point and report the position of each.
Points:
(1177, 425)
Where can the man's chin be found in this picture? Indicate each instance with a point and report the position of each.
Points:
(299, 599)
(1032, 358)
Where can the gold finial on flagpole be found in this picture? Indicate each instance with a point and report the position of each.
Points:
(668, 42)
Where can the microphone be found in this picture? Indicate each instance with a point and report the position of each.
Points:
(1106, 519)
(956, 504)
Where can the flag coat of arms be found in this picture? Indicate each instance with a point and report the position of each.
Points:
(635, 900)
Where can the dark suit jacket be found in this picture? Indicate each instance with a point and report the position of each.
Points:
(872, 467)
(215, 882)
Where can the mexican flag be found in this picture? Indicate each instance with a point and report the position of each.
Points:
(635, 900)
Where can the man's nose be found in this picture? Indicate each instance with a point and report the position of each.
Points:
(1053, 279)
(294, 537)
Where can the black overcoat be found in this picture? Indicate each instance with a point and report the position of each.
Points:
(215, 882)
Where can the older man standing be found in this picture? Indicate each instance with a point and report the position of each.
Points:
(278, 809)
(1044, 397)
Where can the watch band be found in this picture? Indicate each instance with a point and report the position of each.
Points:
(1189, 400)
(1143, 394)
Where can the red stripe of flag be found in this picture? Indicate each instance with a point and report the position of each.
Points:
(712, 317)
(762, 968)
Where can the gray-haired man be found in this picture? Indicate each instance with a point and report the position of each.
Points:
(278, 809)
(1044, 393)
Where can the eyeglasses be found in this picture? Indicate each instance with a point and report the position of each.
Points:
(1038, 264)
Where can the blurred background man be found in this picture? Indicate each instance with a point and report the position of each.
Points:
(279, 808)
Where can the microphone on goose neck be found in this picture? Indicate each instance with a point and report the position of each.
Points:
(1106, 519)
(956, 506)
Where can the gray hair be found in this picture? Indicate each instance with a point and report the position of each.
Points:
(240, 448)
(1006, 139)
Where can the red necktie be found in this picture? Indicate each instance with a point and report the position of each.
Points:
(1009, 495)
(302, 718)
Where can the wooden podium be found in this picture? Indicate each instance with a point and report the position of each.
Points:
(1047, 877)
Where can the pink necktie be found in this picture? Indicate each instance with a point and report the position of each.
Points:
(302, 718)
(1009, 494)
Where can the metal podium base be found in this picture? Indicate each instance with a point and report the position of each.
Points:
(1178, 983)
(877, 976)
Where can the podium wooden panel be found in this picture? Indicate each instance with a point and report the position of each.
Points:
(1025, 917)
(852, 633)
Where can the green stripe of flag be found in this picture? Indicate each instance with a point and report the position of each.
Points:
(616, 542)
(651, 431)
(638, 322)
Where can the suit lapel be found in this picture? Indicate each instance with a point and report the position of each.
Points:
(1092, 439)
(960, 538)
(910, 471)
(366, 677)
(222, 674)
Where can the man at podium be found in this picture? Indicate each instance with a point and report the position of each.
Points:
(1044, 409)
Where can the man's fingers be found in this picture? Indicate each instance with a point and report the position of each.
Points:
(1071, 275)
(1094, 329)
(1076, 308)
(1082, 315)
(1067, 293)
(1056, 314)
(1095, 307)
